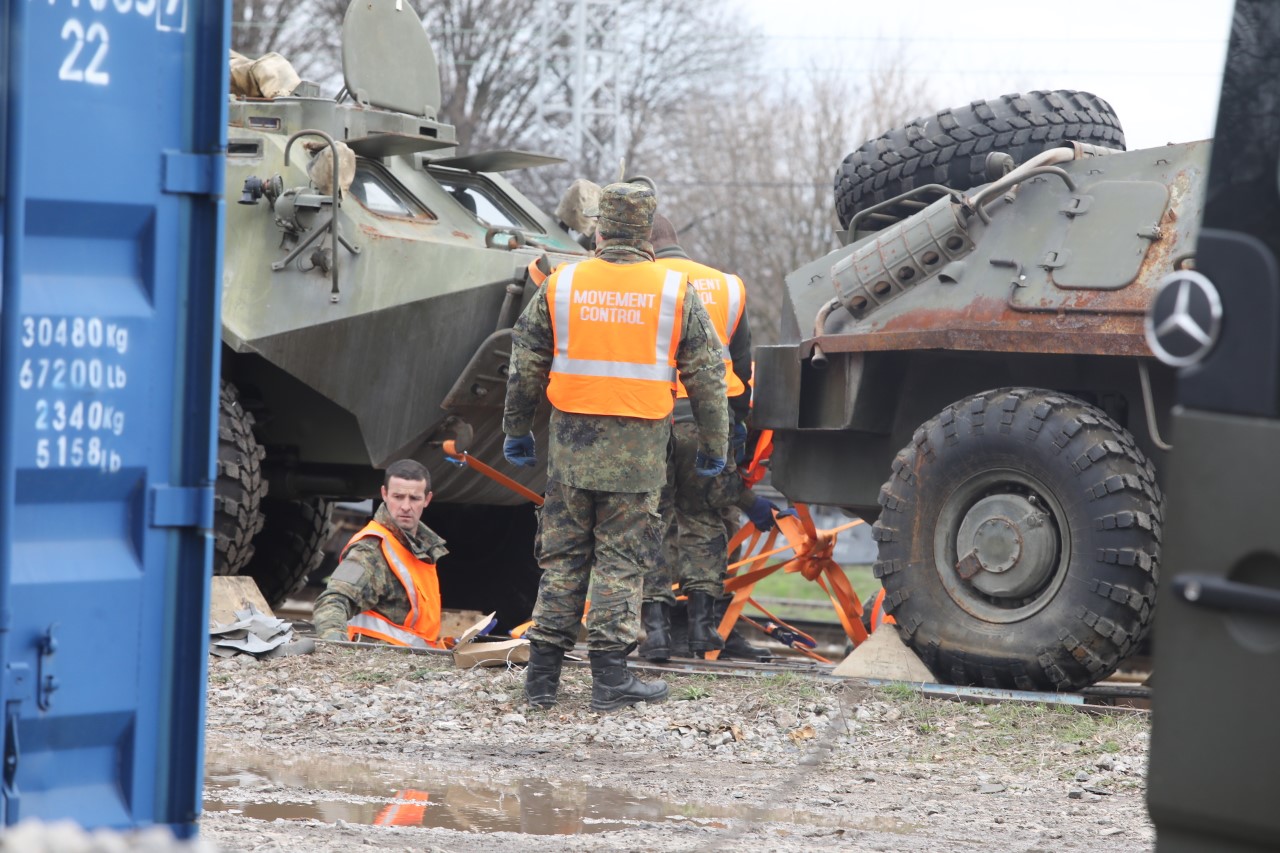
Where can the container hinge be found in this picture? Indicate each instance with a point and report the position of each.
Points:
(197, 174)
(182, 506)
(46, 681)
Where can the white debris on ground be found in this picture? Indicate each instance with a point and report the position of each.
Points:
(64, 836)
(257, 634)
(786, 763)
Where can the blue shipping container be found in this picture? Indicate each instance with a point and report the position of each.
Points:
(114, 128)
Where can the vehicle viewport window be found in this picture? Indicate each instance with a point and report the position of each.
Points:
(380, 197)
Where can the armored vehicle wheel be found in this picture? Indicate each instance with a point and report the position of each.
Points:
(1020, 542)
(239, 488)
(951, 147)
(290, 546)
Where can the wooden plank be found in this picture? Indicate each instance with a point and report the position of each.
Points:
(232, 593)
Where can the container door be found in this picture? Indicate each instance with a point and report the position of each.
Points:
(1214, 771)
(113, 134)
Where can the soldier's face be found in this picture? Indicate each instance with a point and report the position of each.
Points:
(405, 500)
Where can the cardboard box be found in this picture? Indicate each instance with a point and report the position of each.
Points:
(474, 650)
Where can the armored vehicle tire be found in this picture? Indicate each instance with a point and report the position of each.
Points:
(951, 147)
(1020, 542)
(239, 488)
(290, 546)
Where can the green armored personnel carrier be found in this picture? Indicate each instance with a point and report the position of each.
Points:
(370, 322)
(969, 371)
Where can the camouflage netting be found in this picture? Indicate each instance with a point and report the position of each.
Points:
(269, 76)
(320, 169)
(579, 200)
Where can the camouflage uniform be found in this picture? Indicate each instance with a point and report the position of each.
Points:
(600, 523)
(363, 581)
(696, 513)
(695, 509)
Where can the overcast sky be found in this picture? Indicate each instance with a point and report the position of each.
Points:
(1157, 63)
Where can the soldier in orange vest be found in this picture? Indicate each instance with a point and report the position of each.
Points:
(604, 339)
(385, 587)
(693, 508)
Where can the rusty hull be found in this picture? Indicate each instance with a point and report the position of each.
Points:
(1003, 298)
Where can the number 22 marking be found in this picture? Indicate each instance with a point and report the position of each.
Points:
(93, 72)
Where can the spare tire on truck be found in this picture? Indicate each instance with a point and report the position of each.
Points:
(1020, 542)
(951, 147)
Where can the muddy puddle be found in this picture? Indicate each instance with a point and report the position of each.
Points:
(360, 794)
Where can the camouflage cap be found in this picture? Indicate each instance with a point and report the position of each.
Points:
(626, 211)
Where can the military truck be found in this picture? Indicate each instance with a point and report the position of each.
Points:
(969, 371)
(369, 323)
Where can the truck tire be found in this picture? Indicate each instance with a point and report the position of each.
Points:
(951, 147)
(290, 546)
(1019, 542)
(239, 487)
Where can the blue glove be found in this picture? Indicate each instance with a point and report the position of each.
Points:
(707, 466)
(761, 514)
(519, 450)
(738, 442)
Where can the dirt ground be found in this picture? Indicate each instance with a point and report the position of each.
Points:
(304, 753)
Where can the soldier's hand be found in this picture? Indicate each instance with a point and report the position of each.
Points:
(519, 450)
(761, 514)
(707, 465)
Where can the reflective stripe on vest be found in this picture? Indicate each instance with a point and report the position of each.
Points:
(421, 628)
(616, 328)
(725, 298)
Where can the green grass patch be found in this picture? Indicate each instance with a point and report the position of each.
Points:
(694, 687)
(899, 692)
(692, 693)
(377, 677)
(793, 587)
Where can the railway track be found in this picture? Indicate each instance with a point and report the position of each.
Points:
(1124, 692)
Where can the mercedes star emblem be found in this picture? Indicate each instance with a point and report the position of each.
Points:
(1184, 319)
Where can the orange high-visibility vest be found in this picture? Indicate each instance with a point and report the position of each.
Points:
(539, 268)
(725, 298)
(421, 628)
(616, 328)
(408, 809)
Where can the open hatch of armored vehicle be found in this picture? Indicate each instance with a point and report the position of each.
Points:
(366, 323)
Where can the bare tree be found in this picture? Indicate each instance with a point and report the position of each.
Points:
(752, 190)
(308, 34)
(668, 51)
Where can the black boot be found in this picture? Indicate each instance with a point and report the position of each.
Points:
(703, 637)
(613, 686)
(736, 645)
(656, 621)
(542, 675)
